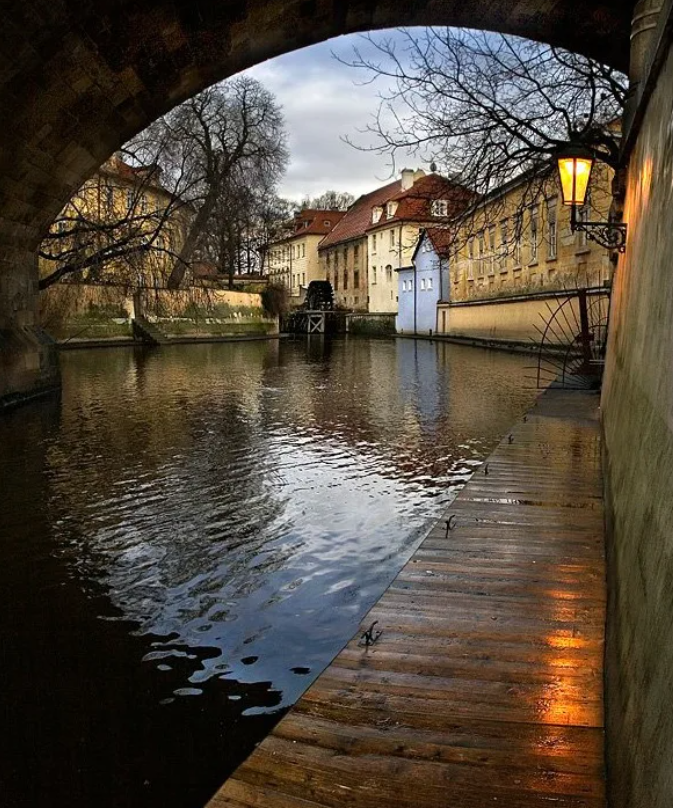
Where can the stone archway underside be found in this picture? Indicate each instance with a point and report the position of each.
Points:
(80, 77)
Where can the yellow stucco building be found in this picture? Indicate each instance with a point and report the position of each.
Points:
(122, 226)
(514, 247)
(293, 260)
(518, 239)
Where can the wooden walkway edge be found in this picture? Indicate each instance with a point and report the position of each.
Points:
(486, 686)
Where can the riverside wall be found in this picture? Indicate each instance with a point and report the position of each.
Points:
(637, 419)
(514, 320)
(80, 313)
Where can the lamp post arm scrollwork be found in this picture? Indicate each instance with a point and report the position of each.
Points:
(611, 235)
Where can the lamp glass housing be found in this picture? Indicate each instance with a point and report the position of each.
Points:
(574, 169)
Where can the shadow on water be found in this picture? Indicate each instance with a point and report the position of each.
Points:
(190, 535)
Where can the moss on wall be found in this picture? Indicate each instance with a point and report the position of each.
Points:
(379, 326)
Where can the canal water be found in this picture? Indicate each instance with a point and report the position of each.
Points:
(190, 535)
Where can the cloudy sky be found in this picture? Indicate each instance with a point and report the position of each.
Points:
(324, 101)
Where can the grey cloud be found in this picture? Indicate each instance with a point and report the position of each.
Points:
(322, 104)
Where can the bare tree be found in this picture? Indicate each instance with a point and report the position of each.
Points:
(194, 171)
(329, 200)
(486, 108)
(227, 138)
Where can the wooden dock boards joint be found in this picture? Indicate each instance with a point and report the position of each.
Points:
(486, 686)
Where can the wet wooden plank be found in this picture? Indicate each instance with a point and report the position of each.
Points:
(485, 687)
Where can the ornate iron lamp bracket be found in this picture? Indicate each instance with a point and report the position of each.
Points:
(611, 235)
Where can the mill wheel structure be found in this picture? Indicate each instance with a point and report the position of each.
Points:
(319, 296)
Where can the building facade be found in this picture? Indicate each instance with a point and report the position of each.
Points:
(513, 247)
(293, 260)
(518, 240)
(424, 284)
(122, 226)
(343, 253)
(423, 201)
(377, 237)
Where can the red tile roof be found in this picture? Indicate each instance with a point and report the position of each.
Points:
(442, 239)
(359, 216)
(413, 205)
(313, 222)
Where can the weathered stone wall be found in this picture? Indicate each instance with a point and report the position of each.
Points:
(637, 405)
(78, 312)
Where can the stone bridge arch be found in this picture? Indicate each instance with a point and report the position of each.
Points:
(78, 79)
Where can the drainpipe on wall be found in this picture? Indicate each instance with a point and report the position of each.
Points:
(415, 296)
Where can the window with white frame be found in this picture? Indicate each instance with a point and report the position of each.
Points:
(389, 273)
(429, 287)
(411, 285)
(491, 250)
(376, 215)
(404, 286)
(374, 243)
(392, 238)
(439, 207)
(391, 207)
(552, 233)
(422, 284)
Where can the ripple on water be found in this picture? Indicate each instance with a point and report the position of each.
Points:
(232, 511)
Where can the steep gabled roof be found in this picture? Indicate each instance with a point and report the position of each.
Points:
(441, 238)
(359, 216)
(415, 204)
(312, 222)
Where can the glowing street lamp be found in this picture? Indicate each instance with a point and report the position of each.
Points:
(574, 169)
(575, 164)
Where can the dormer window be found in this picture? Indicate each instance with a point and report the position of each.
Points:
(376, 215)
(440, 207)
(327, 224)
(391, 209)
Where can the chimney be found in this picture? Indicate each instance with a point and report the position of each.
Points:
(407, 178)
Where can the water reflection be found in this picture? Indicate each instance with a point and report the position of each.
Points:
(203, 528)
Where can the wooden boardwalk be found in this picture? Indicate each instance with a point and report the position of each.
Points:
(485, 688)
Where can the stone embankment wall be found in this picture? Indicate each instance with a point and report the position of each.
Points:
(510, 320)
(79, 312)
(637, 406)
(371, 324)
